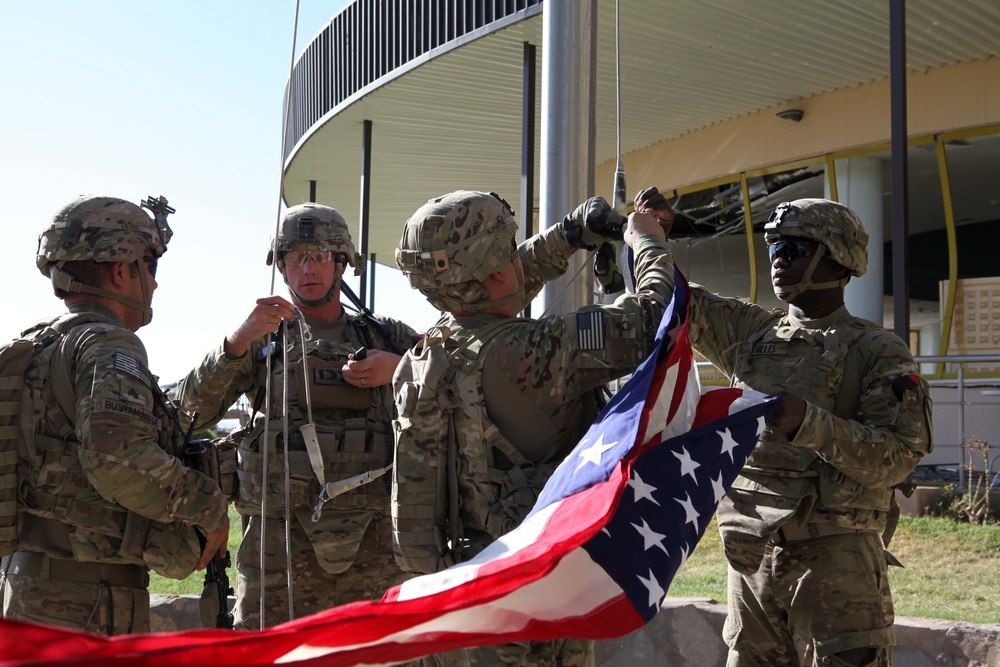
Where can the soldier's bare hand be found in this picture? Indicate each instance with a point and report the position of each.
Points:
(642, 224)
(215, 544)
(374, 370)
(264, 319)
(788, 416)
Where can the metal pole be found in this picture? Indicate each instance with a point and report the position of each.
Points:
(961, 429)
(569, 82)
(528, 147)
(312, 191)
(371, 282)
(366, 182)
(900, 186)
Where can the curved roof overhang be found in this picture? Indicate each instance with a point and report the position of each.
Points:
(693, 72)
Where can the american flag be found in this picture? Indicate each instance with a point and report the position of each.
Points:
(590, 330)
(594, 559)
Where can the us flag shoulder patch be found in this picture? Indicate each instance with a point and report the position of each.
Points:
(590, 330)
(132, 366)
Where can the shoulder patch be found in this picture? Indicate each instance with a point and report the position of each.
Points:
(132, 411)
(129, 365)
(590, 330)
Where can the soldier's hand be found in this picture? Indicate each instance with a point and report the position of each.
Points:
(264, 319)
(375, 370)
(592, 223)
(788, 416)
(653, 202)
(642, 224)
(215, 544)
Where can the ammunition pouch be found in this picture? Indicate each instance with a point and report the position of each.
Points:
(328, 389)
(357, 447)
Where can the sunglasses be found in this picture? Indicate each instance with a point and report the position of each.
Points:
(151, 263)
(299, 257)
(792, 249)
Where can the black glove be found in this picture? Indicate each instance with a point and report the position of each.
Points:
(592, 223)
(606, 269)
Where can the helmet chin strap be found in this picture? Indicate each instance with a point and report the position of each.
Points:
(66, 282)
(789, 293)
(315, 303)
(517, 296)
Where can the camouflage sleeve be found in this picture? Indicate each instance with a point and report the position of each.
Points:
(596, 344)
(892, 431)
(401, 333)
(545, 257)
(213, 387)
(717, 323)
(124, 435)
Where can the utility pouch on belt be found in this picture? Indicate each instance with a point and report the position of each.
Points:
(329, 389)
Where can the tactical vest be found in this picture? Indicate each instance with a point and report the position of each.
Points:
(450, 458)
(779, 467)
(352, 426)
(50, 480)
(781, 480)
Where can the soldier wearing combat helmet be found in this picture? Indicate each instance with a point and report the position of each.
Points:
(101, 497)
(528, 386)
(345, 555)
(806, 524)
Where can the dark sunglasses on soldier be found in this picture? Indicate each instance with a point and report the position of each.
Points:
(151, 263)
(792, 249)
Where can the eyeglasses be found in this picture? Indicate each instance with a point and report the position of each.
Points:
(151, 263)
(299, 257)
(791, 249)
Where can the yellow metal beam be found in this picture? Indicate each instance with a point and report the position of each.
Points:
(748, 221)
(949, 224)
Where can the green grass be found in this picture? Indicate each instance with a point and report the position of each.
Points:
(950, 570)
(194, 583)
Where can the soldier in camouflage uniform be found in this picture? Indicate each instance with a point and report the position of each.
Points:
(347, 555)
(539, 378)
(805, 526)
(101, 496)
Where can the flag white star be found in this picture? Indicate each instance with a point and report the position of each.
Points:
(593, 453)
(688, 465)
(650, 537)
(718, 489)
(761, 424)
(689, 510)
(641, 489)
(684, 555)
(728, 443)
(656, 592)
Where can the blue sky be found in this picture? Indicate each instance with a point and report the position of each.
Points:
(131, 98)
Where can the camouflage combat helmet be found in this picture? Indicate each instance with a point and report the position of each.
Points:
(451, 243)
(830, 224)
(103, 229)
(320, 225)
(323, 227)
(836, 229)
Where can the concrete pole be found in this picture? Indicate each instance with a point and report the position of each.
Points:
(859, 184)
(569, 82)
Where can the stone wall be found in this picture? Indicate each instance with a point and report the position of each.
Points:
(688, 632)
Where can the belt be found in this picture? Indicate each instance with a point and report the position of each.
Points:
(31, 564)
(797, 532)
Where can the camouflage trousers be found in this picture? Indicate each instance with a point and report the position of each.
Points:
(368, 574)
(815, 602)
(555, 653)
(110, 607)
